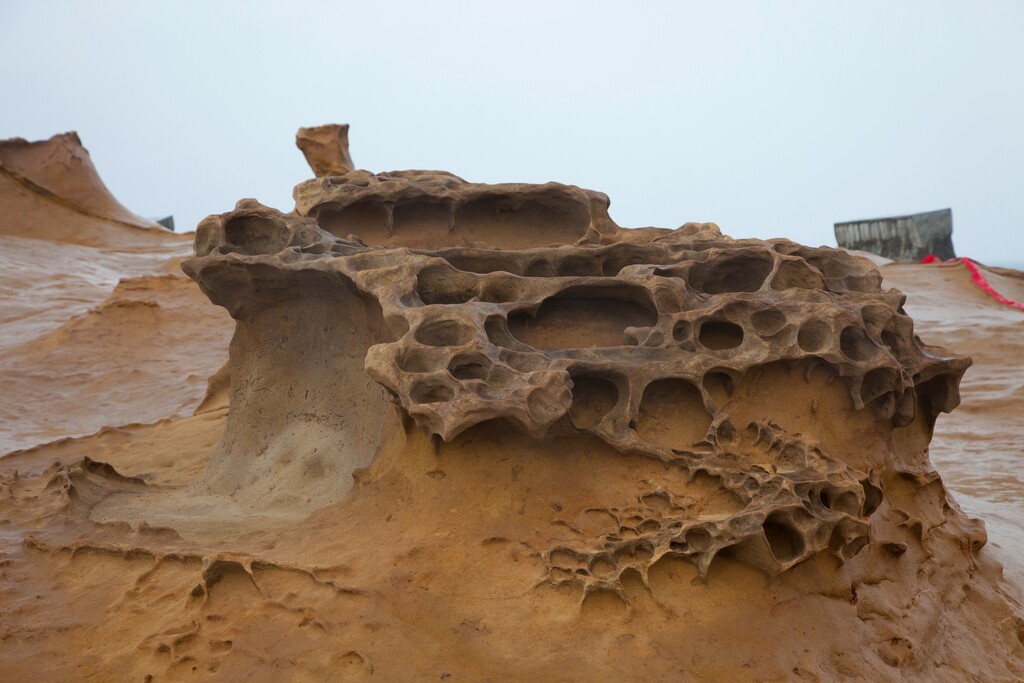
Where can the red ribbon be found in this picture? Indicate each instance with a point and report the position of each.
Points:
(978, 278)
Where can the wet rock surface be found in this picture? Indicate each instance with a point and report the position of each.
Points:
(480, 432)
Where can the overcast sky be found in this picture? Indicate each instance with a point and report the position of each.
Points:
(768, 118)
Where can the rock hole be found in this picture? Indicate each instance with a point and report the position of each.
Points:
(682, 330)
(578, 318)
(499, 291)
(648, 526)
(726, 432)
(602, 604)
(632, 583)
(444, 333)
(797, 275)
(595, 521)
(719, 386)
(895, 548)
(720, 335)
(699, 540)
(768, 321)
(783, 540)
(846, 273)
(367, 220)
(854, 546)
(642, 551)
(876, 383)
(872, 497)
(672, 414)
(497, 333)
(352, 659)
(602, 566)
(422, 224)
(431, 393)
(836, 541)
(672, 580)
(445, 285)
(814, 336)
(232, 574)
(520, 222)
(937, 395)
(579, 266)
(855, 344)
(592, 399)
(256, 234)
(841, 501)
(891, 340)
(731, 273)
(417, 221)
(615, 262)
(415, 361)
(875, 317)
(658, 501)
(565, 558)
(472, 367)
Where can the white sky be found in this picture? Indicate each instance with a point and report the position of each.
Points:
(768, 118)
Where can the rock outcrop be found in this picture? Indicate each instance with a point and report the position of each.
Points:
(50, 190)
(661, 343)
(98, 321)
(481, 432)
(325, 149)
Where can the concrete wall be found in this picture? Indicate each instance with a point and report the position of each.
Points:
(902, 238)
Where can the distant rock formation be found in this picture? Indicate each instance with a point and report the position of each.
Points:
(902, 238)
(50, 190)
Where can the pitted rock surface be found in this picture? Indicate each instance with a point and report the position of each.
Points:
(480, 432)
(526, 304)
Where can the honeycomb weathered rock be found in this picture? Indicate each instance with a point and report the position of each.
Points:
(526, 304)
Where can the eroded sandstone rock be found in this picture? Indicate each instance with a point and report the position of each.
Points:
(747, 366)
(325, 149)
(49, 189)
(479, 432)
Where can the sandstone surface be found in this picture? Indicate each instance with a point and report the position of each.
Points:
(50, 190)
(481, 432)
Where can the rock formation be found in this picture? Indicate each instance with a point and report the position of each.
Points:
(481, 432)
(661, 343)
(325, 149)
(91, 298)
(50, 190)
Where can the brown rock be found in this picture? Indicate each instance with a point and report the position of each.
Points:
(50, 190)
(661, 345)
(480, 432)
(326, 149)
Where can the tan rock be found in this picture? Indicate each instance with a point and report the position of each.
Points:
(480, 432)
(50, 190)
(326, 149)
